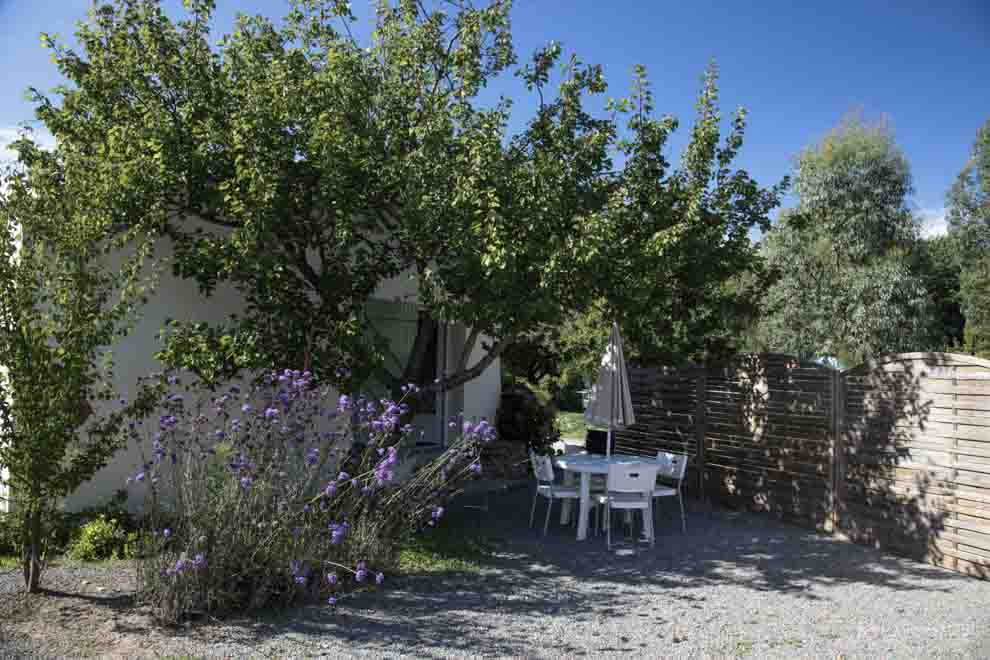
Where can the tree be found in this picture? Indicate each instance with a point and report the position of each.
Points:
(968, 207)
(66, 293)
(969, 229)
(938, 261)
(974, 285)
(306, 169)
(844, 260)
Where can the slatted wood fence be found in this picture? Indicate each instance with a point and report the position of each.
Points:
(894, 453)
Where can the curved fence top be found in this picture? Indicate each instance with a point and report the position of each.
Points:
(930, 359)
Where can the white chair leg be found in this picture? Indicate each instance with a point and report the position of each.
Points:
(608, 527)
(532, 512)
(546, 523)
(648, 527)
(680, 499)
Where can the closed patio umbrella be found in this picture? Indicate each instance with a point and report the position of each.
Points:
(611, 403)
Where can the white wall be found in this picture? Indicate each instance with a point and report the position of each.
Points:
(174, 299)
(180, 299)
(481, 395)
(4, 504)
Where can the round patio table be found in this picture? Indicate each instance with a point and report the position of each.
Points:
(587, 465)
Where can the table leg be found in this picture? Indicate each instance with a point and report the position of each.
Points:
(648, 521)
(565, 505)
(582, 531)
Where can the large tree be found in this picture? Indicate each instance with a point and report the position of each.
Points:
(969, 228)
(847, 281)
(305, 168)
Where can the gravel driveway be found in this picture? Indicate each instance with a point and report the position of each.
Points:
(737, 585)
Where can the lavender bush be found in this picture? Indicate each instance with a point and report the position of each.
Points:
(280, 493)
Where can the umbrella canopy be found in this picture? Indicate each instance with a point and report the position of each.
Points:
(611, 403)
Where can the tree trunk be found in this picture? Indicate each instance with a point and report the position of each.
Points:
(31, 552)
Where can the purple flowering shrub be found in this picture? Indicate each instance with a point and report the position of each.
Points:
(283, 492)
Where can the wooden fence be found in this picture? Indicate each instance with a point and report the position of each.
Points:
(894, 453)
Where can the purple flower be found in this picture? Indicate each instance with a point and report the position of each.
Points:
(246, 481)
(271, 413)
(476, 467)
(313, 456)
(345, 403)
(331, 489)
(332, 600)
(436, 515)
(331, 578)
(362, 572)
(300, 579)
(343, 476)
(379, 578)
(338, 532)
(167, 532)
(139, 476)
(307, 508)
(247, 407)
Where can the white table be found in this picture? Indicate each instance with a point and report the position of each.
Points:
(587, 465)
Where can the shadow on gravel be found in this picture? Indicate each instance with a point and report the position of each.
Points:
(534, 578)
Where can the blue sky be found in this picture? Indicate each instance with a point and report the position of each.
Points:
(797, 67)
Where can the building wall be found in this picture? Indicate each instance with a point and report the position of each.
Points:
(176, 298)
(133, 355)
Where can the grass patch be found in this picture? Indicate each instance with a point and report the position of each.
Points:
(572, 425)
(449, 549)
(744, 647)
(8, 561)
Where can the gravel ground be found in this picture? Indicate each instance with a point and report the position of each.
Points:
(736, 585)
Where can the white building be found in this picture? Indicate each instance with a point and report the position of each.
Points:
(393, 309)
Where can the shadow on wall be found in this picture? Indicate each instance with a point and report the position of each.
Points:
(894, 453)
(913, 459)
(767, 436)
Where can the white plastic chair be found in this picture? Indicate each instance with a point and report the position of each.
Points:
(672, 468)
(545, 487)
(629, 487)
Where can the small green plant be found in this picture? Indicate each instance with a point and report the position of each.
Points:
(525, 419)
(102, 538)
(10, 534)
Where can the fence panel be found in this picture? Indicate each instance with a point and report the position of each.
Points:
(914, 451)
(767, 438)
(894, 453)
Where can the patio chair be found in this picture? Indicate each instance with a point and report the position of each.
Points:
(545, 487)
(629, 487)
(595, 441)
(671, 470)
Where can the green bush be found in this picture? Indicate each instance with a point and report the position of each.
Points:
(524, 418)
(102, 538)
(10, 534)
(66, 527)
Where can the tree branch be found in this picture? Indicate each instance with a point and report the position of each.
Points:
(461, 377)
(469, 343)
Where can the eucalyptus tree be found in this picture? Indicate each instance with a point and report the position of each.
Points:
(844, 260)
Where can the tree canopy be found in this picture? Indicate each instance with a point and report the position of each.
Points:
(844, 260)
(322, 167)
(969, 229)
